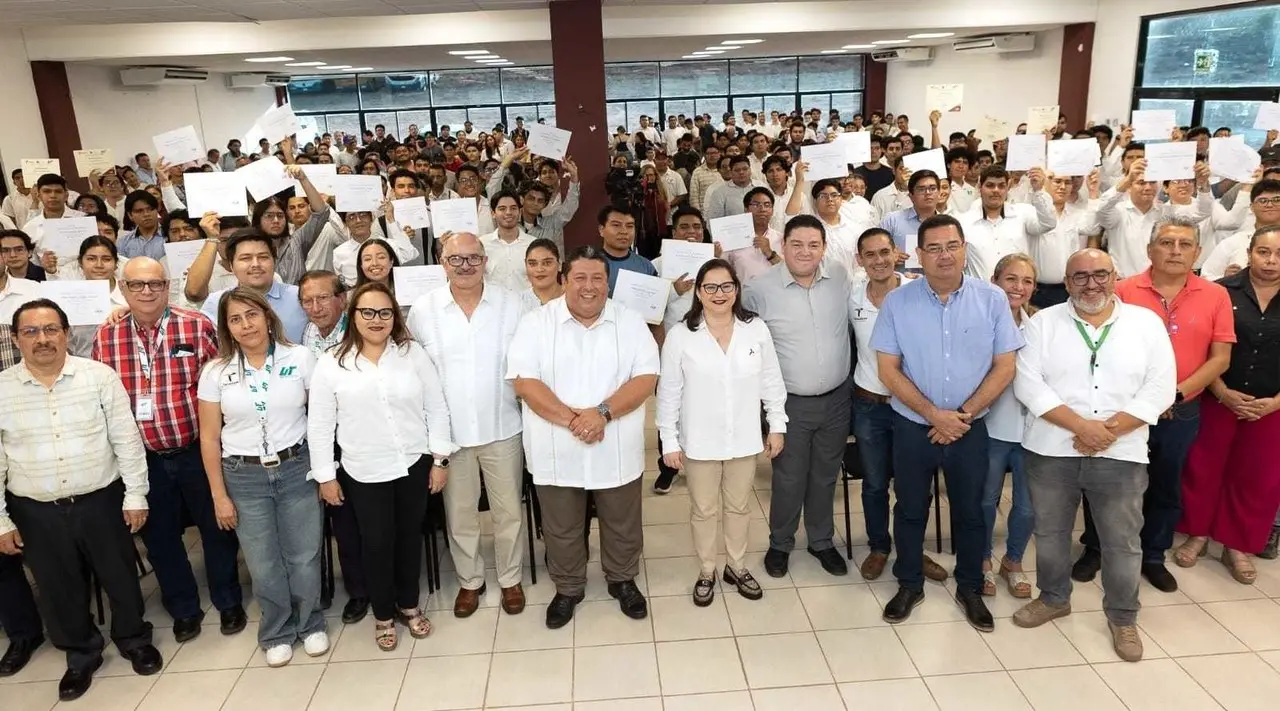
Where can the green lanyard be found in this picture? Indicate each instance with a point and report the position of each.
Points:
(1093, 347)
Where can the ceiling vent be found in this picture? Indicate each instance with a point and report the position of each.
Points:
(155, 76)
(996, 44)
(903, 54)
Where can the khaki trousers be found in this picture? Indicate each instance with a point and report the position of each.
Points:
(564, 511)
(502, 465)
(710, 482)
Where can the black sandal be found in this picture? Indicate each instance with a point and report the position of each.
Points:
(704, 591)
(747, 585)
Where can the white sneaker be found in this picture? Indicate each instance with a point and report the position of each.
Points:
(279, 655)
(316, 643)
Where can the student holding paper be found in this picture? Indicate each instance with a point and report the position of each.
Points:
(1129, 223)
(98, 261)
(52, 193)
(1077, 229)
(143, 236)
(270, 217)
(507, 245)
(753, 261)
(359, 226)
(994, 227)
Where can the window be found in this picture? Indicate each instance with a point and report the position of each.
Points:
(528, 85)
(485, 118)
(751, 76)
(465, 87)
(782, 104)
(677, 107)
(1222, 48)
(454, 119)
(1237, 116)
(695, 78)
(750, 103)
(716, 106)
(420, 118)
(630, 81)
(348, 124)
(323, 93)
(385, 118)
(394, 91)
(548, 113)
(832, 71)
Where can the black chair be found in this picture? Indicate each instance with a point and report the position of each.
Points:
(851, 470)
(532, 521)
(435, 521)
(327, 582)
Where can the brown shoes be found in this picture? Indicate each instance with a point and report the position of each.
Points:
(467, 601)
(873, 565)
(934, 571)
(513, 599)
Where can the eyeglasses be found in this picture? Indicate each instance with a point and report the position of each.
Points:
(1268, 201)
(155, 285)
(828, 196)
(50, 331)
(757, 205)
(317, 299)
(457, 260)
(360, 217)
(1099, 277)
(380, 314)
(727, 287)
(273, 215)
(926, 189)
(934, 250)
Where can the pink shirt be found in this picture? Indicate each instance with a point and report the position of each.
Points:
(751, 262)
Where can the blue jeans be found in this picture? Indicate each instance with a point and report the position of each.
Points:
(280, 530)
(873, 426)
(1005, 456)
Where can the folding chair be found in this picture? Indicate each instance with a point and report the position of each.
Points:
(851, 470)
(532, 521)
(327, 582)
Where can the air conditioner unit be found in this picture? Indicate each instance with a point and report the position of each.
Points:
(996, 44)
(903, 54)
(152, 76)
(256, 81)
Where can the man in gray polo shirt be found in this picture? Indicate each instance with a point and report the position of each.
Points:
(805, 305)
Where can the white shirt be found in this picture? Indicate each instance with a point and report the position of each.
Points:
(671, 138)
(344, 255)
(73, 439)
(238, 391)
(863, 314)
(15, 293)
(678, 305)
(1051, 250)
(1135, 373)
(386, 414)
(673, 184)
(35, 230)
(1129, 231)
(709, 398)
(890, 199)
(858, 210)
(962, 198)
(583, 366)
(17, 207)
(1006, 419)
(989, 241)
(1220, 224)
(505, 265)
(1233, 250)
(470, 354)
(842, 243)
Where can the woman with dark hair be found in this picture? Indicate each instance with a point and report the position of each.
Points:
(129, 176)
(370, 167)
(374, 263)
(98, 261)
(253, 443)
(542, 266)
(719, 368)
(270, 217)
(143, 235)
(379, 396)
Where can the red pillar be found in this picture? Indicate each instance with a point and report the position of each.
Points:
(58, 114)
(577, 59)
(875, 77)
(1073, 77)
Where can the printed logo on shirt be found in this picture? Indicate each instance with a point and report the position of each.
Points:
(288, 371)
(858, 315)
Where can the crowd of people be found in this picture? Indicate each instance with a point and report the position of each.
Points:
(1101, 338)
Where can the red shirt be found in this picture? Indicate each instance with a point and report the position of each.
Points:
(1199, 316)
(175, 357)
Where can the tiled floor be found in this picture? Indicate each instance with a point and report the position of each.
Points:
(814, 642)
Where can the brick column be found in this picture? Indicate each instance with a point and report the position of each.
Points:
(58, 114)
(1073, 77)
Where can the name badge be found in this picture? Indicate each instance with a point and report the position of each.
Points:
(231, 378)
(145, 411)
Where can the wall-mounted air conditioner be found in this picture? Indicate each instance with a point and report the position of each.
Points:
(153, 76)
(996, 44)
(256, 81)
(903, 54)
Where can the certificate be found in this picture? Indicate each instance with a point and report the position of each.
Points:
(33, 168)
(926, 160)
(179, 146)
(456, 216)
(413, 282)
(642, 293)
(1268, 118)
(1171, 161)
(1042, 118)
(826, 160)
(681, 258)
(733, 232)
(1233, 159)
(99, 159)
(548, 141)
(1026, 152)
(412, 212)
(1078, 156)
(857, 146)
(321, 176)
(278, 124)
(992, 129)
(87, 303)
(181, 255)
(222, 193)
(358, 193)
(1153, 125)
(265, 177)
(63, 236)
(944, 97)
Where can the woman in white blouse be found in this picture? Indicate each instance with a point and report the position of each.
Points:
(98, 261)
(380, 394)
(253, 441)
(718, 368)
(542, 266)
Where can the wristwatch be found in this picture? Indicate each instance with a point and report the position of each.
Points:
(443, 462)
(603, 409)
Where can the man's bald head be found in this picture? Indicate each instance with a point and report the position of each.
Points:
(462, 243)
(1091, 280)
(144, 268)
(1089, 259)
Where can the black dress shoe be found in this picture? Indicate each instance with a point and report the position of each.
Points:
(975, 610)
(1159, 577)
(75, 682)
(355, 610)
(831, 560)
(560, 611)
(630, 600)
(233, 621)
(1087, 567)
(187, 628)
(775, 562)
(146, 660)
(900, 607)
(18, 654)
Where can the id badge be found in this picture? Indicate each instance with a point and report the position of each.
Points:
(145, 411)
(270, 460)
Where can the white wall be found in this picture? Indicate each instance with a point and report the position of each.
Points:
(21, 131)
(125, 118)
(998, 85)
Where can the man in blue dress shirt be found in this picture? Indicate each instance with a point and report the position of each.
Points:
(253, 260)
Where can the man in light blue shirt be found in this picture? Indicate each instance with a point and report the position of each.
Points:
(253, 261)
(904, 225)
(945, 347)
(146, 239)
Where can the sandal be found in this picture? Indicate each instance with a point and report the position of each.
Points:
(1018, 582)
(1191, 550)
(989, 583)
(417, 622)
(1239, 566)
(384, 633)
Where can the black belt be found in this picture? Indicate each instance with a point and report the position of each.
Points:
(829, 392)
(865, 394)
(284, 455)
(167, 453)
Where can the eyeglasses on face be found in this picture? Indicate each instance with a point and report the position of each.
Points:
(760, 205)
(50, 331)
(155, 285)
(1099, 277)
(934, 250)
(925, 189)
(829, 196)
(1268, 201)
(727, 287)
(317, 299)
(457, 260)
(380, 314)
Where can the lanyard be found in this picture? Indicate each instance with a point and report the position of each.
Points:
(1093, 347)
(149, 352)
(258, 387)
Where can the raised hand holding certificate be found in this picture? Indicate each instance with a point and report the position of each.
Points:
(1171, 161)
(63, 236)
(87, 303)
(278, 123)
(222, 193)
(857, 146)
(33, 168)
(455, 216)
(413, 282)
(826, 160)
(179, 146)
(265, 177)
(89, 160)
(357, 193)
(1233, 159)
(684, 258)
(1078, 156)
(1042, 118)
(642, 293)
(181, 255)
(412, 212)
(1154, 124)
(733, 232)
(1026, 152)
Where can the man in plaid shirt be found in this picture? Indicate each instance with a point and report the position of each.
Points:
(159, 352)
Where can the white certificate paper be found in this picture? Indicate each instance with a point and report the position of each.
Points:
(1153, 125)
(358, 193)
(684, 258)
(321, 176)
(944, 97)
(548, 141)
(993, 129)
(222, 193)
(412, 212)
(87, 303)
(91, 159)
(826, 160)
(1026, 152)
(413, 282)
(33, 168)
(1268, 118)
(63, 236)
(1042, 118)
(1171, 161)
(265, 177)
(926, 160)
(857, 146)
(455, 216)
(642, 293)
(278, 124)
(1078, 156)
(1233, 159)
(733, 232)
(181, 255)
(179, 146)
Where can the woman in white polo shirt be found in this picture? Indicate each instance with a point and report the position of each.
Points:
(253, 431)
(718, 368)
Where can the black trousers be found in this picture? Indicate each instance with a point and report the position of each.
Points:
(19, 615)
(65, 541)
(346, 530)
(390, 516)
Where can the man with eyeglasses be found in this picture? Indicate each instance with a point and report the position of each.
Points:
(765, 250)
(1096, 374)
(467, 185)
(1076, 229)
(15, 256)
(904, 225)
(1128, 222)
(994, 227)
(945, 351)
(159, 350)
(1232, 254)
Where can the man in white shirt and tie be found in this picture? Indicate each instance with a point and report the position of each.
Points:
(467, 329)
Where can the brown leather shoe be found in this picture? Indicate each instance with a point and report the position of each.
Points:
(467, 601)
(934, 571)
(873, 565)
(513, 599)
